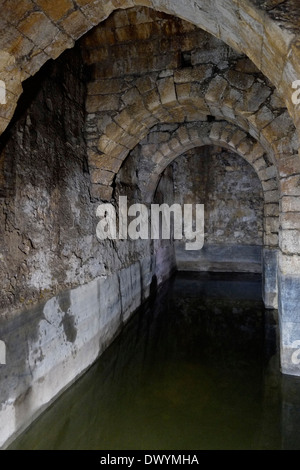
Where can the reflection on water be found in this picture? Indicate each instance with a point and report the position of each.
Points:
(196, 368)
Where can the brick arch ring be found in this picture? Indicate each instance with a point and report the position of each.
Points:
(180, 98)
(154, 159)
(44, 33)
(152, 162)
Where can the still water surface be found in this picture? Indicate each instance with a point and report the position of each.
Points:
(196, 368)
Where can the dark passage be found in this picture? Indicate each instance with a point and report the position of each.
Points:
(196, 368)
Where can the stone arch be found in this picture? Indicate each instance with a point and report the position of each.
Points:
(40, 31)
(190, 135)
(188, 95)
(152, 159)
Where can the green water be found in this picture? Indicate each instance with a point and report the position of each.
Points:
(196, 368)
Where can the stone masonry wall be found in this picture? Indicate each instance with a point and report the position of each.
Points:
(48, 223)
(64, 295)
(230, 190)
(234, 210)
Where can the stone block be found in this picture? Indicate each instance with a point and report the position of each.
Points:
(112, 148)
(99, 54)
(251, 31)
(60, 43)
(280, 127)
(14, 11)
(177, 114)
(104, 162)
(245, 148)
(242, 122)
(290, 335)
(271, 196)
(216, 90)
(197, 99)
(254, 98)
(271, 240)
(227, 133)
(139, 15)
(236, 138)
(287, 145)
(123, 119)
(195, 135)
(242, 81)
(290, 204)
(82, 3)
(76, 24)
(275, 50)
(141, 114)
(165, 149)
(271, 224)
(100, 103)
(216, 131)
(55, 10)
(130, 141)
(195, 74)
(175, 144)
(160, 161)
(262, 118)
(270, 286)
(145, 84)
(289, 264)
(102, 36)
(290, 220)
(106, 87)
(246, 66)
(126, 34)
(290, 241)
(257, 151)
(152, 101)
(137, 129)
(131, 290)
(259, 165)
(114, 132)
(38, 28)
(120, 19)
(101, 192)
(228, 112)
(36, 63)
(194, 115)
(167, 91)
(100, 176)
(18, 46)
(209, 54)
(289, 165)
(132, 96)
(183, 135)
(183, 92)
(158, 138)
(270, 185)
(95, 12)
(290, 186)
(289, 295)
(268, 173)
(148, 150)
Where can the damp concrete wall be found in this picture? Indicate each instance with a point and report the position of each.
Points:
(232, 196)
(65, 294)
(51, 345)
